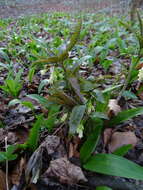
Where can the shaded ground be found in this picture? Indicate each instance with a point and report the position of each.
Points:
(31, 9)
(18, 119)
(21, 10)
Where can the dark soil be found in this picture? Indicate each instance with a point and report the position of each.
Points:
(22, 10)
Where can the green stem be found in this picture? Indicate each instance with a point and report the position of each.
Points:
(128, 79)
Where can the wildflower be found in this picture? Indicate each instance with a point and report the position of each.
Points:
(140, 75)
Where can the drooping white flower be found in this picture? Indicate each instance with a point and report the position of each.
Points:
(140, 75)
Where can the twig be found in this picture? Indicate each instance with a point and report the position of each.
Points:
(7, 185)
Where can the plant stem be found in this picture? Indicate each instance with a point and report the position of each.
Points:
(127, 79)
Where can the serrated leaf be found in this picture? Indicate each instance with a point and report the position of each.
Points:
(125, 115)
(76, 117)
(110, 164)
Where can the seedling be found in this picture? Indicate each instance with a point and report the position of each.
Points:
(12, 86)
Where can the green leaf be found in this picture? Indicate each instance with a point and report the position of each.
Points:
(99, 96)
(6, 66)
(31, 73)
(112, 88)
(110, 164)
(43, 101)
(64, 55)
(33, 138)
(129, 95)
(76, 87)
(76, 117)
(18, 76)
(122, 151)
(125, 115)
(14, 102)
(4, 55)
(100, 115)
(52, 116)
(42, 84)
(102, 107)
(103, 188)
(28, 104)
(8, 155)
(90, 144)
(3, 157)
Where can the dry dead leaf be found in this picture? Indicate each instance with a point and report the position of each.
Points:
(113, 106)
(17, 172)
(21, 134)
(73, 147)
(2, 135)
(119, 139)
(34, 166)
(11, 137)
(54, 146)
(66, 172)
(107, 135)
(2, 180)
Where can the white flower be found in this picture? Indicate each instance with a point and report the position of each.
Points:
(140, 75)
(79, 130)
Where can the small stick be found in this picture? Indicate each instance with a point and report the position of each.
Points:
(7, 185)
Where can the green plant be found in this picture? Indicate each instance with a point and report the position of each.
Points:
(133, 72)
(103, 188)
(9, 154)
(89, 107)
(74, 98)
(31, 143)
(12, 86)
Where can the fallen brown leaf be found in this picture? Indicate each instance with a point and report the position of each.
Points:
(107, 135)
(17, 172)
(119, 139)
(54, 146)
(34, 165)
(66, 172)
(73, 147)
(2, 135)
(2, 180)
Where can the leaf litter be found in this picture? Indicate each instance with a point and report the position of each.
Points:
(56, 161)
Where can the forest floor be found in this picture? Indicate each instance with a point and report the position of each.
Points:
(65, 125)
(23, 10)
